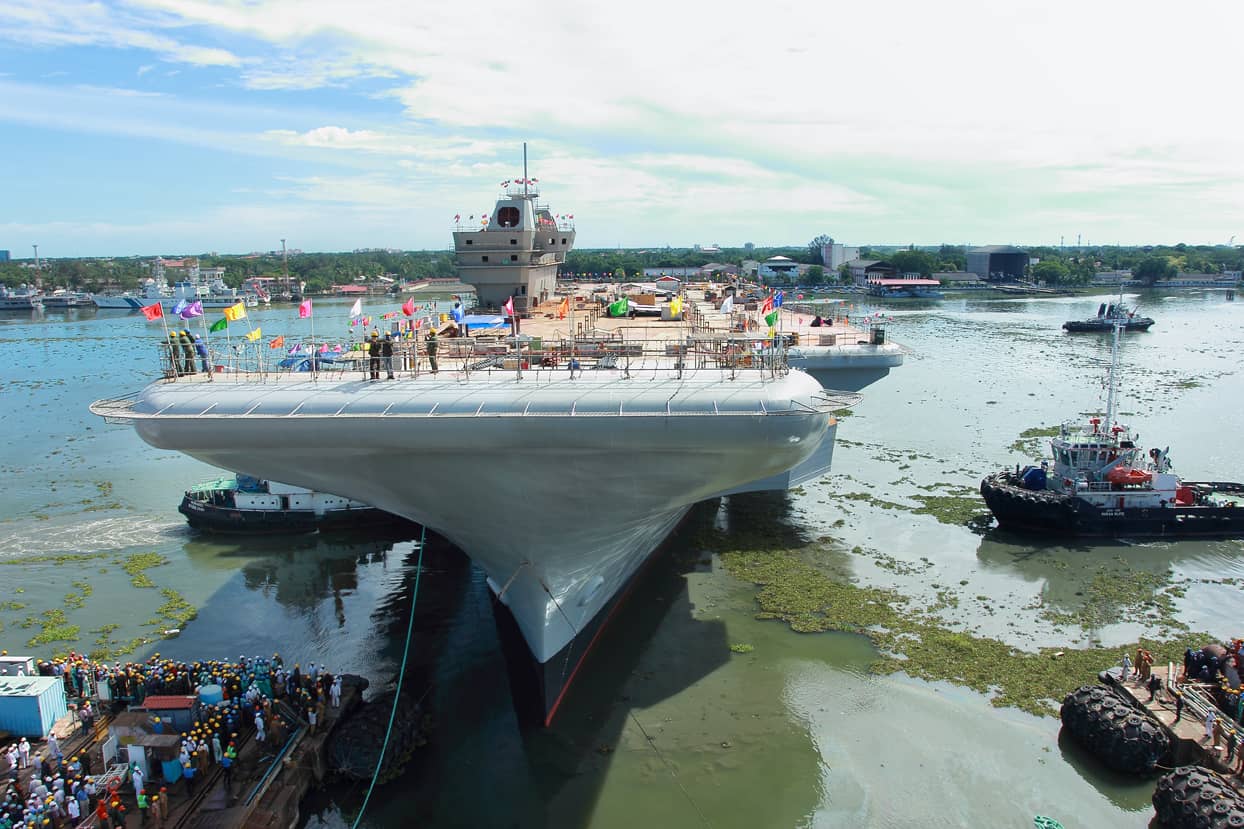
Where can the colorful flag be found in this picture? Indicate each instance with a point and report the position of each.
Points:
(236, 312)
(324, 348)
(676, 307)
(508, 308)
(777, 299)
(278, 342)
(408, 307)
(336, 348)
(767, 305)
(179, 307)
(620, 308)
(304, 309)
(153, 311)
(457, 217)
(563, 308)
(771, 319)
(297, 349)
(727, 304)
(366, 320)
(219, 325)
(194, 309)
(254, 335)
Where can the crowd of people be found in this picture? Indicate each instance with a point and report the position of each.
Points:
(61, 791)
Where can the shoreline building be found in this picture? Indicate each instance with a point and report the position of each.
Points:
(835, 255)
(998, 263)
(516, 251)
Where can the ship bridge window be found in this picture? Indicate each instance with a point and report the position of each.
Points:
(470, 241)
(508, 217)
(513, 241)
(563, 241)
(513, 257)
(483, 259)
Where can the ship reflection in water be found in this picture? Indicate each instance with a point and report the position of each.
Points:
(344, 603)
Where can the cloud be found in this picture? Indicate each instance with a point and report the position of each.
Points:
(145, 68)
(962, 118)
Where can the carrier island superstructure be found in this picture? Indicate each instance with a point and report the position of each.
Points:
(559, 471)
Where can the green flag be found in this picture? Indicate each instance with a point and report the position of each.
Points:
(219, 325)
(620, 308)
(771, 318)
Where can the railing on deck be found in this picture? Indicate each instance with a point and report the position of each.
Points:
(628, 350)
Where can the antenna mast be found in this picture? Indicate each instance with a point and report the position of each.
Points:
(524, 168)
(1112, 379)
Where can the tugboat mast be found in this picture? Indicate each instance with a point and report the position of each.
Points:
(1114, 362)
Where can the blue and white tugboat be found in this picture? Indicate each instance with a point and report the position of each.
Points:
(1100, 482)
(1110, 314)
(243, 504)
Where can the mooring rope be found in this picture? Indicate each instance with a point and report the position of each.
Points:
(410, 629)
(648, 738)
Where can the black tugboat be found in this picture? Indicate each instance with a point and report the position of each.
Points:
(1100, 483)
(243, 504)
(1108, 314)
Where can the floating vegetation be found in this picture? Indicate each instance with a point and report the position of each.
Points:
(956, 510)
(1029, 442)
(841, 413)
(138, 563)
(74, 601)
(176, 610)
(1124, 595)
(54, 558)
(742, 647)
(12, 605)
(871, 499)
(911, 640)
(55, 628)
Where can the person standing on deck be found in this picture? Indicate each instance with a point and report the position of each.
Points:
(334, 692)
(53, 746)
(23, 753)
(431, 344)
(386, 354)
(1127, 667)
(187, 352)
(137, 777)
(373, 356)
(1210, 719)
(260, 736)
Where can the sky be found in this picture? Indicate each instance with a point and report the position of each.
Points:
(187, 126)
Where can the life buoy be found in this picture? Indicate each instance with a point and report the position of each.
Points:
(1128, 475)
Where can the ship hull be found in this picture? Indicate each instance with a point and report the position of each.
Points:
(1106, 325)
(559, 490)
(1057, 514)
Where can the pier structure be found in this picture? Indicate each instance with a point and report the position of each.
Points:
(1189, 744)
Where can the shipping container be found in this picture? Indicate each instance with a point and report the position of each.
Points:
(31, 705)
(17, 666)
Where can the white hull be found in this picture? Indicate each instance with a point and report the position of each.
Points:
(123, 302)
(558, 488)
(846, 367)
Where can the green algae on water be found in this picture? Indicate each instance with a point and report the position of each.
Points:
(137, 564)
(912, 640)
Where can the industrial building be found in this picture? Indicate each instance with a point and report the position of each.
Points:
(997, 263)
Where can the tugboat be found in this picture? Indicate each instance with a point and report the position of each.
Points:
(1099, 482)
(243, 504)
(1108, 314)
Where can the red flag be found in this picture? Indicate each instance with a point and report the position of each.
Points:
(508, 308)
(153, 311)
(278, 342)
(304, 309)
(767, 305)
(457, 217)
(408, 307)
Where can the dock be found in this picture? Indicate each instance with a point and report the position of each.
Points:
(1189, 745)
(265, 787)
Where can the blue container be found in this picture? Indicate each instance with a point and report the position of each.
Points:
(211, 694)
(172, 770)
(31, 705)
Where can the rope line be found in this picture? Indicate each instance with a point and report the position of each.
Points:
(670, 768)
(410, 628)
(631, 713)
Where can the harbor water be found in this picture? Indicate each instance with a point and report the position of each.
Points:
(691, 710)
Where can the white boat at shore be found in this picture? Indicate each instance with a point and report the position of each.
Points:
(21, 298)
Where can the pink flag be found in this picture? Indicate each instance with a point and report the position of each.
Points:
(508, 308)
(324, 348)
(337, 348)
(408, 307)
(304, 309)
